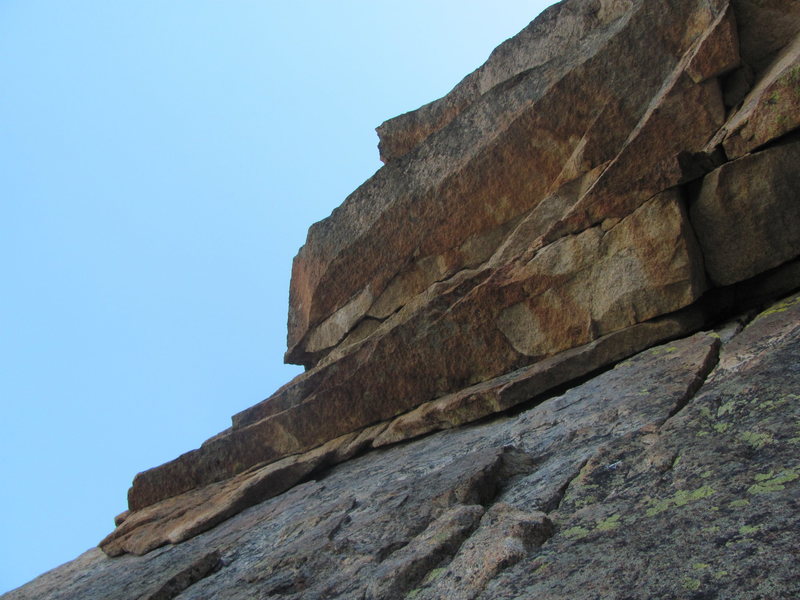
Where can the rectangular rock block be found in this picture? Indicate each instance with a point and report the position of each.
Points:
(747, 215)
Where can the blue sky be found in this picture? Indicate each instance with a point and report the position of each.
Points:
(160, 164)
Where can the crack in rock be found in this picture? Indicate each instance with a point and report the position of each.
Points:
(185, 578)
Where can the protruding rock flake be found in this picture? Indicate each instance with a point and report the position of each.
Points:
(552, 345)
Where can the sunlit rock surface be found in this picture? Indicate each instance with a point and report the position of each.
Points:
(552, 345)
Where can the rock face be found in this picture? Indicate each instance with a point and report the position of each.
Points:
(621, 174)
(673, 475)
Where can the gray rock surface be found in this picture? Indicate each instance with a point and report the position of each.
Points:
(673, 475)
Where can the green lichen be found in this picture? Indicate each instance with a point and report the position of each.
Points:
(748, 529)
(739, 503)
(727, 408)
(679, 499)
(577, 532)
(776, 403)
(769, 482)
(583, 502)
(698, 566)
(779, 307)
(774, 98)
(711, 530)
(663, 350)
(691, 584)
(683, 497)
(721, 427)
(720, 574)
(541, 568)
(706, 412)
(414, 593)
(433, 575)
(608, 524)
(756, 440)
(736, 542)
(701, 434)
(658, 506)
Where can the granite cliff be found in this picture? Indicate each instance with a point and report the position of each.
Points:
(552, 347)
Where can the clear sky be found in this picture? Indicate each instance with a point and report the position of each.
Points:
(160, 163)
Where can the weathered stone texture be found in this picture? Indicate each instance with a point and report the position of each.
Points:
(676, 470)
(621, 174)
(747, 216)
(553, 34)
(536, 232)
(629, 97)
(770, 110)
(644, 266)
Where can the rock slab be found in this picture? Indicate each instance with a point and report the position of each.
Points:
(676, 471)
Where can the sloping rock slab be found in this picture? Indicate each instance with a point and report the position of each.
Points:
(554, 33)
(704, 506)
(182, 517)
(503, 392)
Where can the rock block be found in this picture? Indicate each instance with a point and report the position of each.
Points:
(553, 34)
(632, 101)
(765, 27)
(770, 110)
(747, 215)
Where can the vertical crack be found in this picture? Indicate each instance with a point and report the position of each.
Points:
(704, 370)
(554, 504)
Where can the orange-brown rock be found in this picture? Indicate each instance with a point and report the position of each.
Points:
(551, 36)
(770, 110)
(620, 94)
(765, 27)
(663, 465)
(178, 518)
(681, 118)
(501, 393)
(740, 236)
(529, 228)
